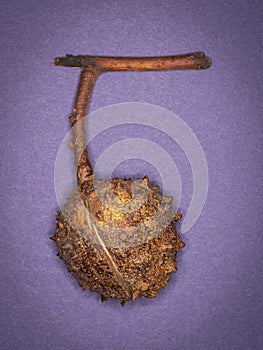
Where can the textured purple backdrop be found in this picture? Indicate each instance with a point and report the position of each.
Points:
(214, 301)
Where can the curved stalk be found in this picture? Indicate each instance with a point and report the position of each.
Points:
(87, 81)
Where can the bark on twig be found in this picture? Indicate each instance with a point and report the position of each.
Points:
(78, 123)
(195, 60)
(92, 67)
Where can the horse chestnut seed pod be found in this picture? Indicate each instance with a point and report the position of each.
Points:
(117, 237)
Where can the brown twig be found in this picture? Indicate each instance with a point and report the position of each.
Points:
(92, 67)
(195, 60)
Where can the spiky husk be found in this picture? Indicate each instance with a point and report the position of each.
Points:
(138, 229)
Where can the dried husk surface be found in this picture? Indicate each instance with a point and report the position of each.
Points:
(118, 238)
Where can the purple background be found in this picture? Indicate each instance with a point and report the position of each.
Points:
(214, 301)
